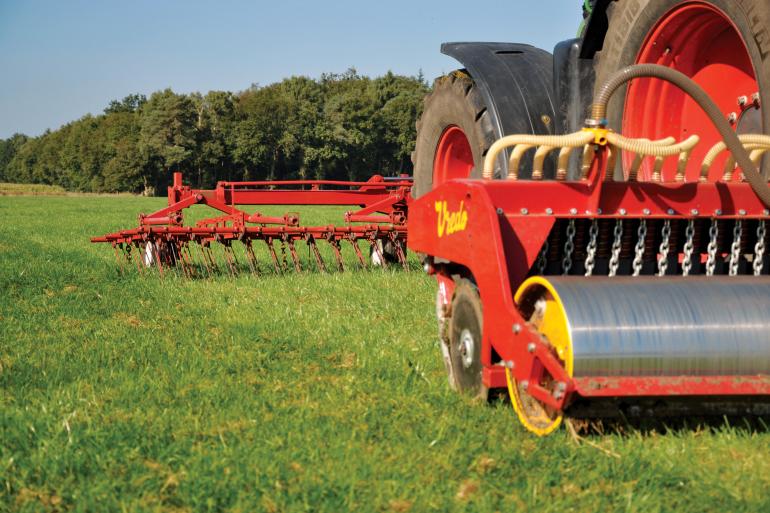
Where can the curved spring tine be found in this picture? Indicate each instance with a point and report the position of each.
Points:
(337, 254)
(118, 258)
(317, 254)
(273, 255)
(400, 254)
(230, 259)
(294, 257)
(373, 242)
(188, 260)
(211, 266)
(357, 251)
(154, 248)
(251, 258)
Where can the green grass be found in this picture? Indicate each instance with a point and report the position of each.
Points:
(304, 392)
(36, 189)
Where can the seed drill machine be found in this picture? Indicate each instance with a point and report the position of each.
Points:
(596, 218)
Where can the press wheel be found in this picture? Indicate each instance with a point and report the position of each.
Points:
(465, 332)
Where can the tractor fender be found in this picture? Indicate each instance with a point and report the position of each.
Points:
(516, 84)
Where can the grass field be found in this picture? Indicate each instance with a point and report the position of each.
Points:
(304, 392)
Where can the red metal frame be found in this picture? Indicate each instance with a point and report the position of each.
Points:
(515, 218)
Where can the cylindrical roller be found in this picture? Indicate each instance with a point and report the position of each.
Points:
(653, 326)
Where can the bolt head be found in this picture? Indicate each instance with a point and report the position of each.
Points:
(743, 100)
(670, 211)
(573, 211)
(694, 212)
(599, 211)
(524, 211)
(531, 347)
(766, 212)
(755, 98)
(742, 212)
(509, 364)
(733, 117)
(549, 211)
(517, 328)
(718, 212)
(622, 211)
(646, 211)
(499, 211)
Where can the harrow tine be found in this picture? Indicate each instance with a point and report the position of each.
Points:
(377, 248)
(312, 246)
(400, 254)
(210, 262)
(236, 263)
(251, 258)
(294, 257)
(203, 258)
(154, 248)
(232, 261)
(357, 250)
(186, 259)
(273, 255)
(337, 254)
(177, 257)
(118, 258)
(139, 258)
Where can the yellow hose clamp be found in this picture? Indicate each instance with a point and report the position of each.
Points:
(600, 134)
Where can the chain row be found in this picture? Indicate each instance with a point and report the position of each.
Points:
(642, 242)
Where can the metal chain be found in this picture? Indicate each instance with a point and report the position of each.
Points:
(711, 263)
(664, 248)
(735, 249)
(569, 247)
(593, 233)
(759, 249)
(689, 246)
(542, 259)
(616, 243)
(639, 249)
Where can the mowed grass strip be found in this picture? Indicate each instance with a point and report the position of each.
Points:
(303, 392)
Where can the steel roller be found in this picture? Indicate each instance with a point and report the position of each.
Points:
(653, 326)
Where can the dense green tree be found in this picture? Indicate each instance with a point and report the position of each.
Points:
(8, 150)
(341, 126)
(167, 137)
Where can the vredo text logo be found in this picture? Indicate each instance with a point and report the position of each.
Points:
(449, 222)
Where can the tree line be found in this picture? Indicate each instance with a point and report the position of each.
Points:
(340, 126)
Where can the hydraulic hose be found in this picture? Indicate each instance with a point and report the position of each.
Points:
(683, 82)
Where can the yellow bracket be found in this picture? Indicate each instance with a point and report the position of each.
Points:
(600, 135)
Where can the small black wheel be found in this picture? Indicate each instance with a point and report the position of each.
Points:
(465, 329)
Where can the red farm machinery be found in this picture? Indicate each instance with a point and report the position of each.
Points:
(596, 218)
(163, 241)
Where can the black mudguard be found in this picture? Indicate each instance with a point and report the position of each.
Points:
(516, 83)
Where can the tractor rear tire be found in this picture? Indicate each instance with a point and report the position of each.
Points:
(683, 25)
(454, 103)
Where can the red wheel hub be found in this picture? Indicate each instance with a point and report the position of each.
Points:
(701, 41)
(454, 158)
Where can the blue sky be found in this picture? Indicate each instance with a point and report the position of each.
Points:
(60, 59)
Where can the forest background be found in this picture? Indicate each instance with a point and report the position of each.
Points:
(339, 126)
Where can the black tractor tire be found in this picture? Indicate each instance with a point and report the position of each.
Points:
(465, 331)
(454, 101)
(630, 21)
